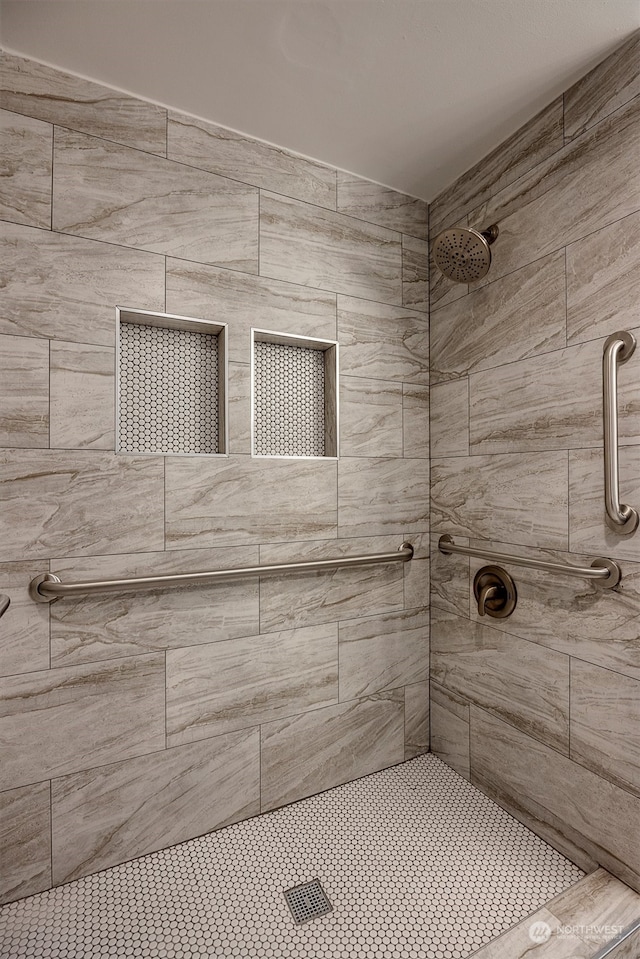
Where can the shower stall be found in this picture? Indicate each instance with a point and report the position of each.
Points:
(220, 653)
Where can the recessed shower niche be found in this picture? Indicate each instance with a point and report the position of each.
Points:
(294, 399)
(171, 384)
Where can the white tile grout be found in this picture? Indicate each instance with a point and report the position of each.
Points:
(416, 862)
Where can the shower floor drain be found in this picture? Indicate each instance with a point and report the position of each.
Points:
(307, 901)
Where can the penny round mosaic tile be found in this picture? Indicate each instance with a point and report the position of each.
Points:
(168, 395)
(415, 862)
(288, 400)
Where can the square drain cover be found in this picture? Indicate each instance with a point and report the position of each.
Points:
(307, 901)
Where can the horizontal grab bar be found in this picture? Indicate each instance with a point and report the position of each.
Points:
(604, 572)
(47, 587)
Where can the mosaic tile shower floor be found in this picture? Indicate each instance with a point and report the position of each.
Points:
(416, 862)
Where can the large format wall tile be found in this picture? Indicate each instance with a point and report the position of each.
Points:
(65, 503)
(82, 396)
(152, 204)
(383, 652)
(500, 496)
(26, 170)
(590, 183)
(111, 625)
(24, 628)
(415, 421)
(382, 496)
(309, 753)
(523, 683)
(604, 89)
(370, 417)
(415, 273)
(450, 729)
(226, 686)
(49, 94)
(68, 288)
(528, 146)
(605, 723)
(371, 201)
(246, 500)
(24, 391)
(603, 281)
(417, 573)
(330, 251)
(327, 596)
(245, 301)
(239, 402)
(588, 530)
(493, 325)
(25, 841)
(529, 337)
(228, 153)
(547, 402)
(450, 418)
(550, 402)
(416, 720)
(571, 807)
(60, 721)
(450, 585)
(573, 616)
(101, 817)
(383, 342)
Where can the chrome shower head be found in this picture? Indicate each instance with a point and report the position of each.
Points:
(464, 255)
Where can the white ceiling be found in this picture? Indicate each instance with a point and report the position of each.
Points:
(407, 92)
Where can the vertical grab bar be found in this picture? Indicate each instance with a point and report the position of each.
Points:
(621, 518)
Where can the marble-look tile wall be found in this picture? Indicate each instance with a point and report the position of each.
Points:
(542, 710)
(129, 722)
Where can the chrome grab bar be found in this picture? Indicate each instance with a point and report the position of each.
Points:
(618, 348)
(47, 587)
(604, 572)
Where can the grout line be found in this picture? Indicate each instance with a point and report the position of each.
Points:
(569, 715)
(164, 504)
(166, 258)
(53, 132)
(166, 733)
(425, 782)
(260, 767)
(51, 828)
(259, 224)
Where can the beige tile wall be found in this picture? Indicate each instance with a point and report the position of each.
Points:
(541, 710)
(129, 722)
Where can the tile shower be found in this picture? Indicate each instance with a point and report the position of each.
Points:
(120, 713)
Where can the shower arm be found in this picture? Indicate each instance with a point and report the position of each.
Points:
(603, 572)
(47, 587)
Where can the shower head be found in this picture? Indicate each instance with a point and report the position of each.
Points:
(464, 255)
